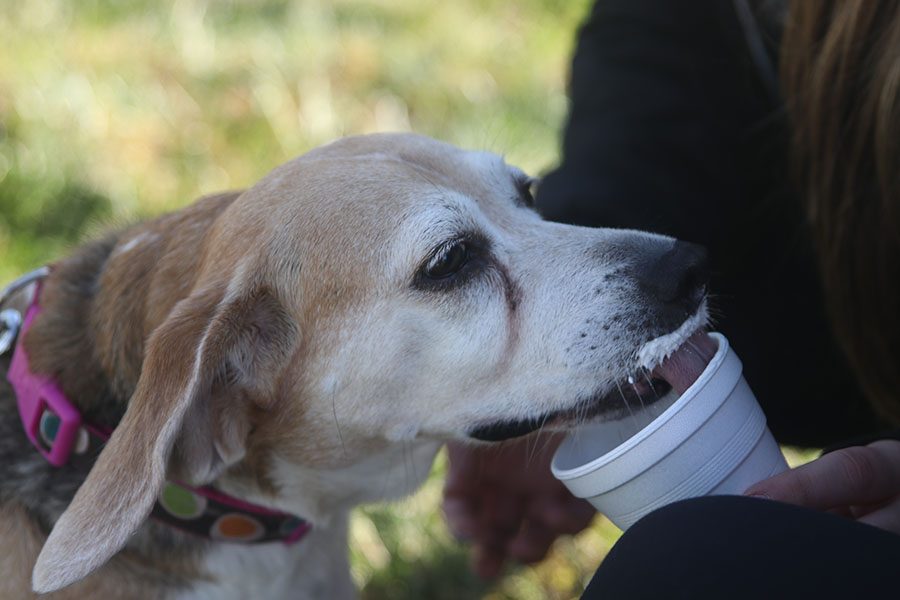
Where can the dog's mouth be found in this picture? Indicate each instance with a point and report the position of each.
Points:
(667, 365)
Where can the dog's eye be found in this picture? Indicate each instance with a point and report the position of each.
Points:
(447, 260)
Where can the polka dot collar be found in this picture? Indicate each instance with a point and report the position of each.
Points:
(56, 428)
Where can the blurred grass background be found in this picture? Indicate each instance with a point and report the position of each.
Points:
(111, 110)
(114, 110)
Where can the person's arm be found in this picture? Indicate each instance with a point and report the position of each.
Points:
(506, 503)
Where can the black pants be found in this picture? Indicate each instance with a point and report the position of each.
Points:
(737, 547)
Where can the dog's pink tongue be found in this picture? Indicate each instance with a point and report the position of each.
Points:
(686, 364)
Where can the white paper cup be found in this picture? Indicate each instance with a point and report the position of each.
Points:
(711, 440)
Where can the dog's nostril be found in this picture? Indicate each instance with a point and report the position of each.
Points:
(678, 275)
(695, 278)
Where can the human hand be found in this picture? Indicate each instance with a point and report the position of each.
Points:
(505, 501)
(861, 483)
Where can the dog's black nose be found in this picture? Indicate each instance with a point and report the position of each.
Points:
(676, 277)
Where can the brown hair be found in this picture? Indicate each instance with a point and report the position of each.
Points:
(841, 76)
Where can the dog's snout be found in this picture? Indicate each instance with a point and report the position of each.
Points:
(676, 277)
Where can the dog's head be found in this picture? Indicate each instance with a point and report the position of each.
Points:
(377, 290)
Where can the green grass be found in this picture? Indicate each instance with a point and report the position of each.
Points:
(122, 109)
(414, 556)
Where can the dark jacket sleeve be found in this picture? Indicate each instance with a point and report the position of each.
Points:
(671, 129)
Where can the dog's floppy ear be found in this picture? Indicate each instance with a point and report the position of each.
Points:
(219, 350)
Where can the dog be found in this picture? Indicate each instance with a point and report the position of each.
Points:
(300, 344)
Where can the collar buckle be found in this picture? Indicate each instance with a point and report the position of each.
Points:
(51, 422)
(10, 324)
(11, 319)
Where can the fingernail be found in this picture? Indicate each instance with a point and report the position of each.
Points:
(761, 495)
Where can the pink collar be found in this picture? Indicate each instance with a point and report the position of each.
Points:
(56, 428)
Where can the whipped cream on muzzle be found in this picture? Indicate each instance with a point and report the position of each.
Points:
(679, 366)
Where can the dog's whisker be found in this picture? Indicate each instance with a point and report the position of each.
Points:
(640, 398)
(653, 407)
(336, 424)
(583, 413)
(649, 381)
(412, 457)
(388, 477)
(537, 446)
(531, 443)
(637, 393)
(408, 463)
(548, 439)
(627, 406)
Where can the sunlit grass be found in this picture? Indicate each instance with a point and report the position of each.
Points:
(404, 550)
(151, 104)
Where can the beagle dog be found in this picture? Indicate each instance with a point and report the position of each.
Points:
(296, 346)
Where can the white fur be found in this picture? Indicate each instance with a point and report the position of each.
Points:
(138, 240)
(314, 568)
(321, 495)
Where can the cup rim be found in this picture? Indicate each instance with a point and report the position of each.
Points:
(695, 388)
